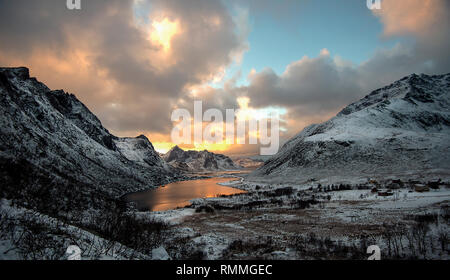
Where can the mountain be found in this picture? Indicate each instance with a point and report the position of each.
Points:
(140, 150)
(249, 163)
(400, 130)
(193, 161)
(51, 143)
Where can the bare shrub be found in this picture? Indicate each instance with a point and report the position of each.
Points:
(393, 235)
(258, 246)
(443, 239)
(419, 233)
(126, 228)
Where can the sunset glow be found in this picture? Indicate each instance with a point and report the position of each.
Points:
(163, 32)
(164, 147)
(167, 55)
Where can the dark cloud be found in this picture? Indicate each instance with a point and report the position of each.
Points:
(318, 84)
(321, 85)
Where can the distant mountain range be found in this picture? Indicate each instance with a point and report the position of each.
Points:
(193, 161)
(50, 141)
(400, 130)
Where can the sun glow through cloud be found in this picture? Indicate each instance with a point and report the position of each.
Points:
(163, 32)
(163, 147)
(244, 112)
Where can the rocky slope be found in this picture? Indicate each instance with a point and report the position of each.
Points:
(50, 143)
(400, 130)
(248, 163)
(193, 161)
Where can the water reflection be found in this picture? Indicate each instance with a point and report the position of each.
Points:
(179, 194)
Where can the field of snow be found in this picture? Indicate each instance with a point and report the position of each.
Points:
(337, 224)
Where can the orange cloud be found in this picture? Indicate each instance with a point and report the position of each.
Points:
(163, 31)
(402, 17)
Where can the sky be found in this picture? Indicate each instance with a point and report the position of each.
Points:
(133, 62)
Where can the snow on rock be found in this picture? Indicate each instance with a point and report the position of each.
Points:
(194, 161)
(8, 251)
(248, 162)
(141, 151)
(212, 245)
(160, 253)
(172, 217)
(399, 130)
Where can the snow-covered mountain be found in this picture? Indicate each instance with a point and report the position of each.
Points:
(248, 163)
(400, 130)
(140, 150)
(49, 138)
(193, 161)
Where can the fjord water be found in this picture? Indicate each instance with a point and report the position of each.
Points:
(179, 194)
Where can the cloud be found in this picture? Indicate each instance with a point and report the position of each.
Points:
(402, 17)
(314, 89)
(427, 21)
(109, 56)
(106, 54)
(316, 84)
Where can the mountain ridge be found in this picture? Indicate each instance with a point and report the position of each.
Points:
(192, 161)
(64, 146)
(396, 130)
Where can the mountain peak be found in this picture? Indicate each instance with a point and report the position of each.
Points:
(22, 73)
(173, 154)
(143, 137)
(176, 148)
(198, 160)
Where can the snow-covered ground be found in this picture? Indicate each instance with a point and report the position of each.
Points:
(64, 236)
(32, 235)
(270, 222)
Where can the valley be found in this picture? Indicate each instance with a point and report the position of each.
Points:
(375, 174)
